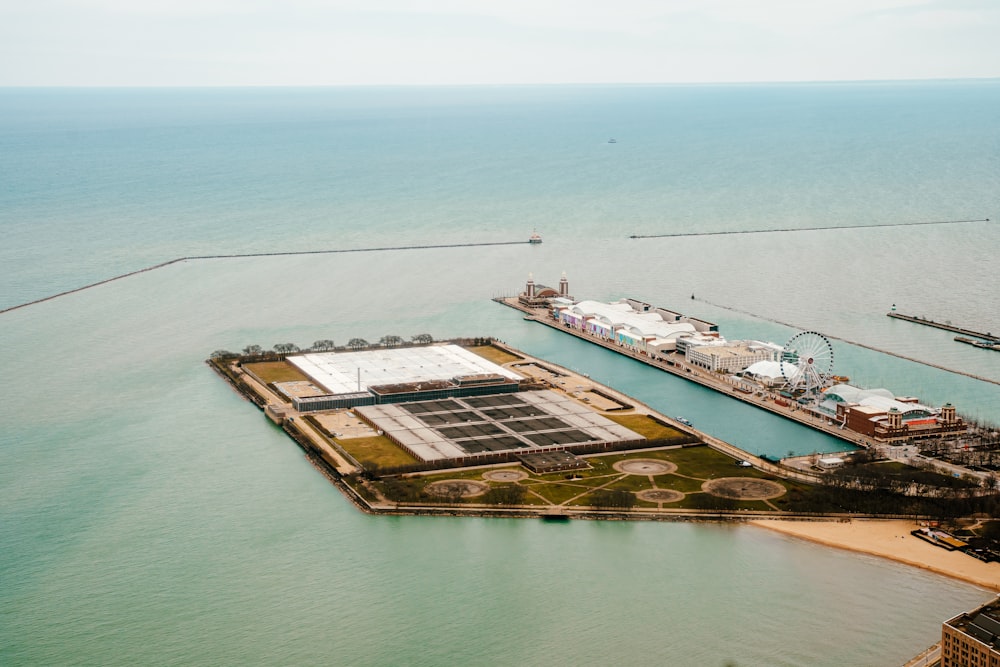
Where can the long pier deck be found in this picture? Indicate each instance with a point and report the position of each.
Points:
(988, 336)
(694, 374)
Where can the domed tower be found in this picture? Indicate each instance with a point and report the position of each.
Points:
(895, 419)
(948, 415)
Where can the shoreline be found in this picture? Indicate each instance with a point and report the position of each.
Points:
(890, 539)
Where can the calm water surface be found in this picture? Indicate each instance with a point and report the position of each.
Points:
(148, 515)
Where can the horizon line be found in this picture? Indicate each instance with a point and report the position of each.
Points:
(510, 84)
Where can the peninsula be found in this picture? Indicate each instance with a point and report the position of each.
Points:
(492, 431)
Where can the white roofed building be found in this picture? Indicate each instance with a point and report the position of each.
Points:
(879, 414)
(731, 357)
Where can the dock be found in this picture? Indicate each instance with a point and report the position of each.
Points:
(981, 344)
(988, 336)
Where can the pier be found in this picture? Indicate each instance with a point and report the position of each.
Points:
(988, 336)
(765, 401)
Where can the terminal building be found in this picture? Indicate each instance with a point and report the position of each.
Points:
(972, 639)
(878, 414)
(537, 295)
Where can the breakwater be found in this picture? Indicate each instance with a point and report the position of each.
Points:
(254, 254)
(988, 336)
(804, 229)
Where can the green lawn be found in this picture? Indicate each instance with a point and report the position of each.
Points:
(494, 354)
(276, 371)
(695, 464)
(378, 449)
(647, 427)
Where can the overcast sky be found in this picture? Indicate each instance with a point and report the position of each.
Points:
(332, 42)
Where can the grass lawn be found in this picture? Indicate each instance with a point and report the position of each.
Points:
(276, 371)
(378, 450)
(647, 427)
(558, 493)
(494, 354)
(676, 483)
(694, 465)
(706, 463)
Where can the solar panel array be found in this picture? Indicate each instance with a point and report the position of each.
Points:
(460, 427)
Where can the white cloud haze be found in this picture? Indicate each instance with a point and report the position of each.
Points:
(311, 42)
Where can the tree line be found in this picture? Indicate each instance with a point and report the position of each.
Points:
(322, 345)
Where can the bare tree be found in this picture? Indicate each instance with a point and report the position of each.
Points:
(390, 341)
(357, 343)
(323, 345)
(423, 338)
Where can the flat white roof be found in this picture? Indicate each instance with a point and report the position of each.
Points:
(339, 372)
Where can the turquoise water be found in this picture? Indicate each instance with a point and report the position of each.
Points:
(148, 515)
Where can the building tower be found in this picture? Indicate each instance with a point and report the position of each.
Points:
(948, 413)
(529, 287)
(895, 419)
(563, 285)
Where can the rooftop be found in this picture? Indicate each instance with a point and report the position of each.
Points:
(353, 372)
(982, 624)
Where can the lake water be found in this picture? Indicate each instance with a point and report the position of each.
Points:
(149, 515)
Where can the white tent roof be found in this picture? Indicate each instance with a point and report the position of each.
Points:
(622, 314)
(883, 403)
(851, 394)
(771, 369)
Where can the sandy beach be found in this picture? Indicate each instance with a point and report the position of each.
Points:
(891, 539)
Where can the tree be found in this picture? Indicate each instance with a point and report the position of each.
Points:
(286, 348)
(357, 343)
(390, 341)
(423, 338)
(223, 354)
(323, 345)
(253, 350)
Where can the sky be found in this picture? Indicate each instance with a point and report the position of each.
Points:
(449, 42)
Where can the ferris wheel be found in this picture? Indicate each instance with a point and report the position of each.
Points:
(807, 361)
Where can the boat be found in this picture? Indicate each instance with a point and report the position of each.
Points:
(535, 238)
(684, 421)
(612, 141)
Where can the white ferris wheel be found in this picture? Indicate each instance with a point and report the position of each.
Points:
(807, 362)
